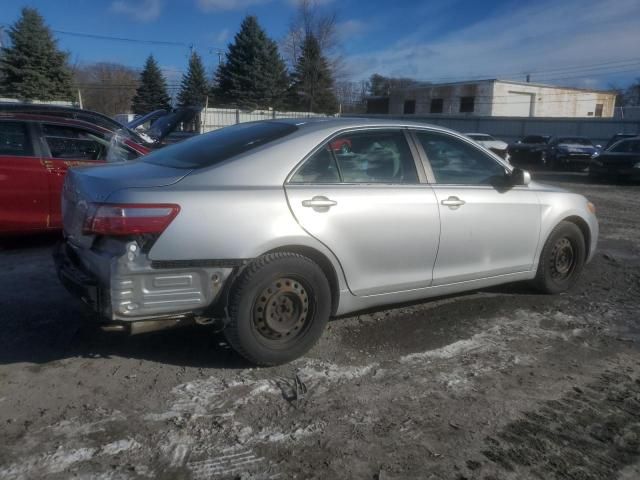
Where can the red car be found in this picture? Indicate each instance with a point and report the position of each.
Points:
(35, 153)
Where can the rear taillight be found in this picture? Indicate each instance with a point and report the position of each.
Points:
(132, 219)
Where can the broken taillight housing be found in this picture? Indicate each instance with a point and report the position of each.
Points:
(129, 219)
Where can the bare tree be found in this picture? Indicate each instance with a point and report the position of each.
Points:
(352, 96)
(309, 19)
(106, 87)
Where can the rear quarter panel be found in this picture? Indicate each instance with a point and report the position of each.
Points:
(225, 223)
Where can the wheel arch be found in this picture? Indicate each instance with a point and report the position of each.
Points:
(584, 228)
(323, 262)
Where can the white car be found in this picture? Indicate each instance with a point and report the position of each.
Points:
(496, 146)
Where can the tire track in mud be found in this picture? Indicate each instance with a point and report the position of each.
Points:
(590, 433)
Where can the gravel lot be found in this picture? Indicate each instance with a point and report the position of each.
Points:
(496, 384)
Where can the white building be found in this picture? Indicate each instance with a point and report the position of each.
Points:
(496, 98)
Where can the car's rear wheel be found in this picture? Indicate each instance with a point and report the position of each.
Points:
(562, 259)
(279, 308)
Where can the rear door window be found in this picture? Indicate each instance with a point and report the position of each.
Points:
(320, 168)
(14, 140)
(377, 156)
(70, 143)
(374, 157)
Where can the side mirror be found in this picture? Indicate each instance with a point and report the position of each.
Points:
(599, 147)
(520, 177)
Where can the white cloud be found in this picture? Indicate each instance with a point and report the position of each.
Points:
(351, 28)
(541, 36)
(223, 35)
(142, 10)
(217, 5)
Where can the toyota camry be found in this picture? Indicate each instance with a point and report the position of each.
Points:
(268, 229)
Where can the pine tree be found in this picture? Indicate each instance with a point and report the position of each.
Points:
(33, 68)
(152, 93)
(194, 88)
(312, 87)
(254, 74)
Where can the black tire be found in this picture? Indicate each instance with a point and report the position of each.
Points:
(562, 259)
(279, 307)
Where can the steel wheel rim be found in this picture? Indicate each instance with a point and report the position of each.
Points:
(563, 259)
(282, 311)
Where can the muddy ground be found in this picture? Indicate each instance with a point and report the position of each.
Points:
(496, 384)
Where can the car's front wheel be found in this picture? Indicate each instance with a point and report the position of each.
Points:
(562, 259)
(279, 308)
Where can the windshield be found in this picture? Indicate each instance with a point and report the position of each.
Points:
(626, 146)
(215, 147)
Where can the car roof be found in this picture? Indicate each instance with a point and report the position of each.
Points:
(43, 107)
(32, 117)
(334, 124)
(579, 137)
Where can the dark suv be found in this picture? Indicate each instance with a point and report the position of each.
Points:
(531, 150)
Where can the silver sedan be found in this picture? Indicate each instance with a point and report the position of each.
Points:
(267, 229)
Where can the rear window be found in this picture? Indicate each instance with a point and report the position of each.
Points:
(216, 147)
(14, 140)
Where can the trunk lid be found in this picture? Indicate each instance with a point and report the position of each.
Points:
(87, 185)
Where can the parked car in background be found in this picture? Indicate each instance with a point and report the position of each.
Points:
(498, 147)
(153, 130)
(618, 136)
(530, 151)
(565, 153)
(620, 160)
(268, 229)
(95, 118)
(35, 153)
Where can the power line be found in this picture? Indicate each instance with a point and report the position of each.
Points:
(123, 39)
(165, 43)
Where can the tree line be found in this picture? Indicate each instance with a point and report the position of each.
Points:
(252, 75)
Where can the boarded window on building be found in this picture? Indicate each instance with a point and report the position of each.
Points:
(409, 106)
(467, 104)
(437, 105)
(599, 108)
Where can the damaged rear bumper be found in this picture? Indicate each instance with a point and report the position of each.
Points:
(124, 286)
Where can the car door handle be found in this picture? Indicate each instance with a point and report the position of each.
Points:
(453, 202)
(319, 202)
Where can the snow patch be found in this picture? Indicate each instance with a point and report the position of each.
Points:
(455, 349)
(119, 446)
(40, 465)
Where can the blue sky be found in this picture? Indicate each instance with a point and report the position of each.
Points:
(587, 43)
